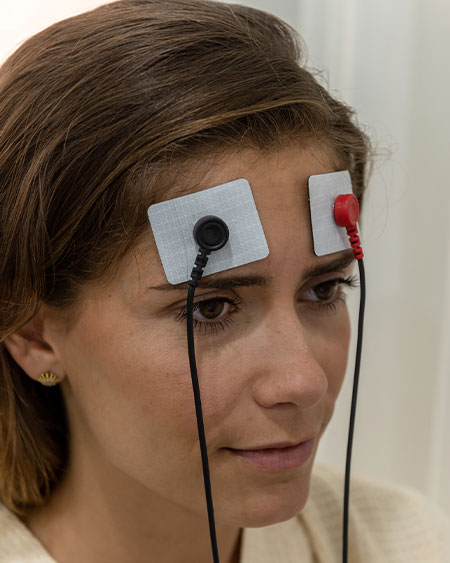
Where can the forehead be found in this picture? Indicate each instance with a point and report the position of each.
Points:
(292, 162)
(278, 179)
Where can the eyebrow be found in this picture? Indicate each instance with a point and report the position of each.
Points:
(228, 282)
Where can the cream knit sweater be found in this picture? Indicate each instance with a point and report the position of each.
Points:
(388, 524)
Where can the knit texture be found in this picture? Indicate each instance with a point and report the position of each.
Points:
(388, 524)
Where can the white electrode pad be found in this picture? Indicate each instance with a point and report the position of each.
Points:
(323, 189)
(173, 222)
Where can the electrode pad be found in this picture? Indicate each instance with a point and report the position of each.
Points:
(323, 189)
(173, 221)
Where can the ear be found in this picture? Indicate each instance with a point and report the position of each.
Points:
(31, 351)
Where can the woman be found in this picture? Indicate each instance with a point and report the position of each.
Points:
(103, 115)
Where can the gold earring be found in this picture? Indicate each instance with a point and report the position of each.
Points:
(48, 379)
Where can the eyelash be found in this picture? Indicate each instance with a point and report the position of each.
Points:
(214, 326)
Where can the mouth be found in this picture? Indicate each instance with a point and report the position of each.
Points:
(276, 457)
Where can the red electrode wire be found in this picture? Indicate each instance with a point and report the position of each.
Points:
(346, 214)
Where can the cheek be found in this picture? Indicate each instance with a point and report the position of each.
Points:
(332, 351)
(221, 370)
(129, 396)
(130, 390)
(330, 343)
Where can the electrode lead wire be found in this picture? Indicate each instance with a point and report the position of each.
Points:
(200, 425)
(362, 303)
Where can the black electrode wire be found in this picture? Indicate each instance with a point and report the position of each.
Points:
(200, 426)
(362, 303)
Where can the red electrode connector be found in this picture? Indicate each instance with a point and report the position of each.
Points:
(346, 214)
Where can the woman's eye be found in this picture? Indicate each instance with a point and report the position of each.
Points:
(210, 310)
(325, 291)
(328, 294)
(211, 314)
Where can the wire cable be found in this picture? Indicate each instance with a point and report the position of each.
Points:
(362, 303)
(200, 425)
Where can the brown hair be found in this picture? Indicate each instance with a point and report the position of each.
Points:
(93, 111)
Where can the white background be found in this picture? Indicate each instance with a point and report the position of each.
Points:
(390, 61)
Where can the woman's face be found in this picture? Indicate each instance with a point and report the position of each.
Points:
(271, 358)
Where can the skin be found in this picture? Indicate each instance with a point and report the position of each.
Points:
(134, 486)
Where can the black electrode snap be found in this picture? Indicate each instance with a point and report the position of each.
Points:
(211, 233)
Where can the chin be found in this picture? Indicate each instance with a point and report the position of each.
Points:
(271, 506)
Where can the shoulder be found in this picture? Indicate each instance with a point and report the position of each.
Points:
(17, 543)
(387, 522)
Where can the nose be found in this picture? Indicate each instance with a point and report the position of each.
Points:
(287, 366)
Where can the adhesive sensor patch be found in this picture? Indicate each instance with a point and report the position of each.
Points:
(172, 223)
(323, 189)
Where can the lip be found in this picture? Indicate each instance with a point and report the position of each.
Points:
(276, 457)
(278, 445)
